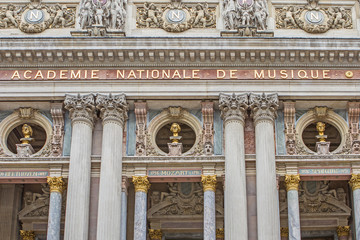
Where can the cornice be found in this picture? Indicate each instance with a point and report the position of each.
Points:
(167, 52)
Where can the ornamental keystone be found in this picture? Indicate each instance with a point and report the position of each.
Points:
(292, 182)
(141, 183)
(209, 182)
(112, 107)
(155, 234)
(56, 184)
(343, 231)
(233, 106)
(263, 106)
(81, 108)
(355, 181)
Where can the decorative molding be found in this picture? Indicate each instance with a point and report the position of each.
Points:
(354, 114)
(176, 16)
(27, 113)
(81, 108)
(141, 183)
(355, 182)
(141, 122)
(112, 108)
(233, 107)
(292, 182)
(207, 109)
(57, 141)
(155, 234)
(263, 107)
(289, 122)
(209, 182)
(56, 184)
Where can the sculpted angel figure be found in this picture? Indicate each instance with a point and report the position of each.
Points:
(10, 15)
(246, 16)
(60, 15)
(289, 16)
(152, 14)
(201, 14)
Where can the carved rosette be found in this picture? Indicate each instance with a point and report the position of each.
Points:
(209, 182)
(27, 235)
(220, 234)
(292, 182)
(141, 183)
(343, 231)
(263, 106)
(355, 181)
(81, 108)
(112, 108)
(155, 234)
(233, 107)
(284, 231)
(56, 184)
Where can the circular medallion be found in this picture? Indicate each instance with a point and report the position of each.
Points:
(175, 16)
(314, 17)
(34, 16)
(246, 3)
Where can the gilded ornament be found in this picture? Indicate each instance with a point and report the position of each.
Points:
(175, 129)
(141, 183)
(349, 74)
(320, 127)
(27, 235)
(292, 182)
(57, 184)
(27, 132)
(284, 232)
(355, 181)
(220, 233)
(343, 231)
(209, 182)
(155, 234)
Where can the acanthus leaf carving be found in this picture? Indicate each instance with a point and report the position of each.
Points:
(263, 106)
(233, 106)
(81, 108)
(112, 107)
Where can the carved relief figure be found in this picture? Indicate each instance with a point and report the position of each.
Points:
(260, 14)
(230, 14)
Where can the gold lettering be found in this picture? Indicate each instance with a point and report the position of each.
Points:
(147, 74)
(49, 76)
(176, 74)
(131, 74)
(26, 74)
(325, 74)
(120, 74)
(94, 74)
(63, 74)
(165, 74)
(195, 74)
(302, 74)
(220, 74)
(233, 74)
(315, 76)
(274, 74)
(260, 75)
(85, 76)
(140, 73)
(184, 75)
(39, 75)
(74, 75)
(283, 74)
(292, 74)
(157, 74)
(15, 74)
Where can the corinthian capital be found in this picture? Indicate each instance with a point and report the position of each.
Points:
(263, 106)
(233, 107)
(292, 182)
(81, 108)
(112, 107)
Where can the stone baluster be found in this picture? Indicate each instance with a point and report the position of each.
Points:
(142, 185)
(124, 197)
(155, 234)
(27, 235)
(220, 234)
(292, 187)
(57, 186)
(82, 114)
(233, 111)
(113, 112)
(209, 185)
(263, 107)
(284, 231)
(355, 185)
(343, 232)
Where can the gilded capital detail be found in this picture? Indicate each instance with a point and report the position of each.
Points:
(141, 183)
(112, 107)
(27, 235)
(355, 181)
(56, 184)
(155, 234)
(284, 231)
(81, 108)
(343, 231)
(233, 107)
(292, 182)
(220, 234)
(263, 106)
(209, 182)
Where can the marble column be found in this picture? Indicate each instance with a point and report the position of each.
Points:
(142, 185)
(220, 234)
(209, 185)
(27, 235)
(124, 197)
(233, 111)
(292, 187)
(343, 232)
(113, 112)
(82, 114)
(57, 186)
(155, 234)
(284, 231)
(355, 185)
(263, 107)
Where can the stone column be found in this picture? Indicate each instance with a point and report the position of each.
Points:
(284, 233)
(142, 185)
(113, 112)
(355, 185)
(292, 187)
(209, 185)
(343, 232)
(82, 114)
(124, 196)
(220, 234)
(155, 234)
(57, 186)
(264, 108)
(233, 111)
(27, 235)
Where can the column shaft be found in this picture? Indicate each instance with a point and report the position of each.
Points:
(293, 215)
(356, 196)
(140, 216)
(209, 216)
(123, 214)
(53, 232)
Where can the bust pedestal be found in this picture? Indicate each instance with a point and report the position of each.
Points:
(322, 148)
(175, 149)
(24, 150)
